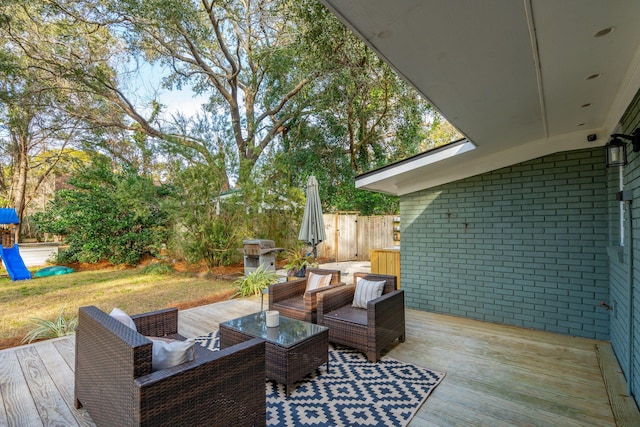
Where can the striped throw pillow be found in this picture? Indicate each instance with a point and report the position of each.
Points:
(315, 281)
(366, 290)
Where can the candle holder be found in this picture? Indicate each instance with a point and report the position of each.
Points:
(272, 318)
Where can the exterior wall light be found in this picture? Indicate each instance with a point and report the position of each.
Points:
(617, 148)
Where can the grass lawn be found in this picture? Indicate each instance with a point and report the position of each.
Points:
(128, 289)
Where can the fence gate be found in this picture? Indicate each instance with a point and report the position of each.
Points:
(346, 236)
(350, 237)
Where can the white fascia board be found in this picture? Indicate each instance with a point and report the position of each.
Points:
(421, 160)
(411, 175)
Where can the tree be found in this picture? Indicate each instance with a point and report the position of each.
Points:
(363, 105)
(72, 58)
(440, 132)
(364, 116)
(34, 133)
(241, 53)
(285, 81)
(59, 90)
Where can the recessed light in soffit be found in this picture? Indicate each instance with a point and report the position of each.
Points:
(604, 32)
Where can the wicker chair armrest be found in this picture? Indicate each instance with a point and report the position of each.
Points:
(334, 299)
(158, 323)
(314, 293)
(202, 358)
(285, 290)
(311, 297)
(228, 383)
(386, 307)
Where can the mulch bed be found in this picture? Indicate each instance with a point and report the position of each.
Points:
(10, 342)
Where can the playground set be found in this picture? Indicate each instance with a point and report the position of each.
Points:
(9, 251)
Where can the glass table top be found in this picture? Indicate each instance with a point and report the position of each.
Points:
(290, 331)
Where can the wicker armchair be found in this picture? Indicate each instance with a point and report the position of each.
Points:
(115, 384)
(369, 330)
(292, 300)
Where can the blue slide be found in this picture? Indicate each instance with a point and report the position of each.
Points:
(14, 264)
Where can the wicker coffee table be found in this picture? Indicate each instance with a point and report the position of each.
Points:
(293, 349)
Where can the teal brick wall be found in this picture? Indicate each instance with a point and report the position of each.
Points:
(524, 245)
(624, 271)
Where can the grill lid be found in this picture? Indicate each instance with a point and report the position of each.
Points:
(262, 243)
(257, 247)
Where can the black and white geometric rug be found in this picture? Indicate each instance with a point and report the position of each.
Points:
(355, 392)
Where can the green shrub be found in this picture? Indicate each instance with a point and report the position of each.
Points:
(117, 216)
(208, 227)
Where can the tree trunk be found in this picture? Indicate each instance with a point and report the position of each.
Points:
(20, 180)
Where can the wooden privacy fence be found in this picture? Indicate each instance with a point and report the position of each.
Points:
(350, 236)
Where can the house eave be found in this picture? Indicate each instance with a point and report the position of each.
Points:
(463, 159)
(520, 79)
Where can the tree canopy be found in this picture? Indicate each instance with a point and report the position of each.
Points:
(288, 91)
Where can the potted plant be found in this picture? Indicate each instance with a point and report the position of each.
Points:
(255, 282)
(297, 262)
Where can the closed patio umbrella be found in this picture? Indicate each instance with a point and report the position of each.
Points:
(312, 227)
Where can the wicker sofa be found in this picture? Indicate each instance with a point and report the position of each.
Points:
(114, 381)
(370, 330)
(292, 299)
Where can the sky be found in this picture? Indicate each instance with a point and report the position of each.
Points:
(147, 82)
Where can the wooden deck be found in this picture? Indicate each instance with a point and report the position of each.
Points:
(496, 375)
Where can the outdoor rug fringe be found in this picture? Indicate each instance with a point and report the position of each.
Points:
(354, 393)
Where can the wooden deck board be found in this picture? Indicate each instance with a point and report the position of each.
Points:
(62, 375)
(496, 375)
(67, 350)
(502, 375)
(623, 407)
(18, 402)
(49, 402)
(3, 413)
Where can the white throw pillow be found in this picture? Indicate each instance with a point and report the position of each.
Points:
(169, 352)
(366, 290)
(315, 281)
(123, 317)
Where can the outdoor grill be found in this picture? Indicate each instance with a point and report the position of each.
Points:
(259, 252)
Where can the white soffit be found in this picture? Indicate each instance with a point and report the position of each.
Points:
(411, 165)
(510, 75)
